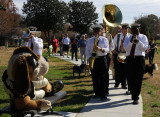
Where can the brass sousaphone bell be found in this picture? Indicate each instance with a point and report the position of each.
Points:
(112, 18)
(112, 15)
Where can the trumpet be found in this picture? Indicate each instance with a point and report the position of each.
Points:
(135, 39)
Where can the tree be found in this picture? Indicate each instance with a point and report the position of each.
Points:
(9, 20)
(149, 24)
(2, 7)
(82, 15)
(46, 15)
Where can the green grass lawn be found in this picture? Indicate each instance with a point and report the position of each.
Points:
(79, 90)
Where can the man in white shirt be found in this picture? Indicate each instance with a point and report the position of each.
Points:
(135, 46)
(109, 54)
(37, 45)
(34, 43)
(66, 42)
(99, 70)
(120, 67)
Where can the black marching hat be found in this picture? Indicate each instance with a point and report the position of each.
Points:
(97, 27)
(135, 25)
(125, 25)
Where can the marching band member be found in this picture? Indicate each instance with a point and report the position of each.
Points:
(135, 46)
(120, 67)
(100, 64)
(109, 54)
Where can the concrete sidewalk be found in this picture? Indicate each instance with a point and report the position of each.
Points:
(118, 103)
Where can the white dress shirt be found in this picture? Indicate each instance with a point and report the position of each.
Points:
(66, 41)
(141, 46)
(120, 39)
(37, 45)
(102, 43)
(27, 44)
(111, 43)
(111, 46)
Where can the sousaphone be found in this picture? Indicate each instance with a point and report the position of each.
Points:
(112, 17)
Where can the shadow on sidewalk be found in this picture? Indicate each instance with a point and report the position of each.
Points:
(104, 105)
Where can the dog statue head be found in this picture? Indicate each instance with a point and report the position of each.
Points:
(24, 65)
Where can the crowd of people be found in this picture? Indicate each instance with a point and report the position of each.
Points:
(68, 45)
(127, 50)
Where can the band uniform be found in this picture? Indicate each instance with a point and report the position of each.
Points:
(120, 66)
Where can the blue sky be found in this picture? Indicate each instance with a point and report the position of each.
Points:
(129, 8)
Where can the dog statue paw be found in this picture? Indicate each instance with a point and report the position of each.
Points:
(45, 104)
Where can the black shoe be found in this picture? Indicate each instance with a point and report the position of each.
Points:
(95, 96)
(124, 87)
(107, 93)
(103, 98)
(128, 93)
(115, 86)
(135, 102)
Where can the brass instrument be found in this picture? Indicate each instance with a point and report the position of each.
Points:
(31, 29)
(112, 16)
(94, 54)
(26, 33)
(135, 39)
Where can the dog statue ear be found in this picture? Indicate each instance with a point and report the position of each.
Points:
(23, 74)
(32, 61)
(26, 49)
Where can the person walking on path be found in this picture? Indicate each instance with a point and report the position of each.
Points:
(99, 69)
(54, 43)
(66, 43)
(152, 48)
(61, 44)
(120, 67)
(135, 46)
(74, 47)
(82, 46)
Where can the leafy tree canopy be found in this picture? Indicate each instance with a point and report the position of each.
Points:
(82, 15)
(46, 15)
(150, 25)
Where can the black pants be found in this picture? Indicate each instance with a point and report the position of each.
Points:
(151, 57)
(108, 56)
(135, 70)
(99, 76)
(74, 52)
(120, 72)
